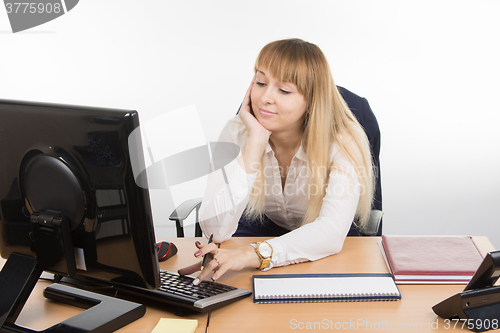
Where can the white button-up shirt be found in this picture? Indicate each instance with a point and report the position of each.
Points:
(228, 192)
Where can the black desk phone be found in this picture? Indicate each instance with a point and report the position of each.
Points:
(478, 306)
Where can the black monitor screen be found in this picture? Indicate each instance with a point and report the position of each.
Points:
(73, 164)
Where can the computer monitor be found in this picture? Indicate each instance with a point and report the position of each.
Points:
(69, 202)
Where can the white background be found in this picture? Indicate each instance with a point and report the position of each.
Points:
(430, 70)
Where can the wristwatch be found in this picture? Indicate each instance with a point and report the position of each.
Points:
(265, 251)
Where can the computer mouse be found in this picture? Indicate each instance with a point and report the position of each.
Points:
(165, 250)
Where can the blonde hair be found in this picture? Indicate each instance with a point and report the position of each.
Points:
(328, 121)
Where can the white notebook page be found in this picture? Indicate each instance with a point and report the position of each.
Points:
(343, 285)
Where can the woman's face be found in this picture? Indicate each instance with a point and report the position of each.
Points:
(277, 105)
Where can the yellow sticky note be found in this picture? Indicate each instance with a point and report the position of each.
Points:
(176, 325)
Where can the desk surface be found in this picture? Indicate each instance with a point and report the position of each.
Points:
(360, 254)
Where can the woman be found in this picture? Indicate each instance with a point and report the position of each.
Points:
(304, 171)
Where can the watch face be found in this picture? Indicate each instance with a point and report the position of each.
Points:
(265, 250)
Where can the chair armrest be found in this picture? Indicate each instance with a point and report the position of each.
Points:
(371, 228)
(182, 212)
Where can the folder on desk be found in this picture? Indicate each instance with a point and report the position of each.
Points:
(305, 288)
(431, 259)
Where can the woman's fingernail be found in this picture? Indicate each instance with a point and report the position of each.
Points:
(196, 281)
(198, 243)
(214, 277)
(197, 254)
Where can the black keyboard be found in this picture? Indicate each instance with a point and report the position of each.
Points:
(180, 290)
(183, 286)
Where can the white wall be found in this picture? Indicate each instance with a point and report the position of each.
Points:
(429, 69)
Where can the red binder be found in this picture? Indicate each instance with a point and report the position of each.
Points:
(431, 259)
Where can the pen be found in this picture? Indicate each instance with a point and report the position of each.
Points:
(204, 260)
(208, 320)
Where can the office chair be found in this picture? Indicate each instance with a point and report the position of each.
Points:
(364, 114)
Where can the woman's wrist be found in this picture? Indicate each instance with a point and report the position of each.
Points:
(252, 154)
(259, 136)
(253, 260)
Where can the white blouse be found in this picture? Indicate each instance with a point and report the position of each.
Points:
(228, 192)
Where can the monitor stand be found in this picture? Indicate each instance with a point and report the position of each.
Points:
(104, 314)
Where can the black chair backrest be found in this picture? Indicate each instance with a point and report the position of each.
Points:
(361, 109)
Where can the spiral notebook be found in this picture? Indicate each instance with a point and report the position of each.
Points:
(304, 288)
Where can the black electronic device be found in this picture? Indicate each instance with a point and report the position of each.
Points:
(165, 250)
(478, 306)
(71, 205)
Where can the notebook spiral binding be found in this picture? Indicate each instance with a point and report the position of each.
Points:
(325, 298)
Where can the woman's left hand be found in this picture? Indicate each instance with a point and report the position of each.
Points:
(220, 261)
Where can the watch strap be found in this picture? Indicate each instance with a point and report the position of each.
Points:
(265, 261)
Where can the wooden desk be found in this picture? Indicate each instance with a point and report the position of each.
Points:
(360, 254)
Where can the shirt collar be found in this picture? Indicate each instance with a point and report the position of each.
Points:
(300, 154)
(268, 148)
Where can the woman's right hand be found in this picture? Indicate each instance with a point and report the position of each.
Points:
(258, 135)
(254, 127)
(221, 260)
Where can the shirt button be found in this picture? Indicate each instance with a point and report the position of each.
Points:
(231, 212)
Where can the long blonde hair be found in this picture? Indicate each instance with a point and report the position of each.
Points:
(328, 121)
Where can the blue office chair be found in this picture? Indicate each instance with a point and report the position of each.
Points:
(361, 109)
